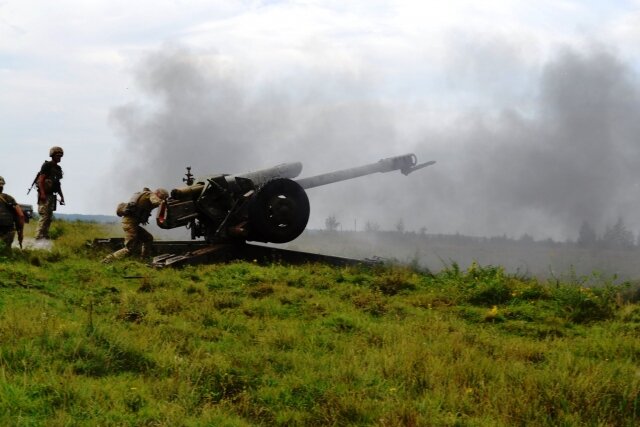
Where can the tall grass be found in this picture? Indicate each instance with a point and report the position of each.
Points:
(240, 344)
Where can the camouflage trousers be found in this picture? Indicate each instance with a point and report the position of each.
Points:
(7, 234)
(45, 210)
(137, 240)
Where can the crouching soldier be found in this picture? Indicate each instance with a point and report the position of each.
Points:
(135, 213)
(11, 219)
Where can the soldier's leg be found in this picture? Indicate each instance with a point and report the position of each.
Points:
(45, 210)
(43, 222)
(130, 245)
(146, 241)
(120, 253)
(132, 237)
(6, 239)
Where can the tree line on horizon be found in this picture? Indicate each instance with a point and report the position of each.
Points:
(616, 236)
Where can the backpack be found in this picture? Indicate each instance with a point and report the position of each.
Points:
(131, 208)
(7, 217)
(125, 208)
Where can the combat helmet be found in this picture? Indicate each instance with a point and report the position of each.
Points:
(56, 150)
(1, 181)
(161, 193)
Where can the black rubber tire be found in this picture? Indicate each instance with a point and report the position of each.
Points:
(279, 212)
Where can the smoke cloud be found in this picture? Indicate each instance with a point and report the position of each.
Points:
(573, 161)
(562, 151)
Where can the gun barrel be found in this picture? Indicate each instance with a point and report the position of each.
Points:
(258, 178)
(406, 163)
(283, 170)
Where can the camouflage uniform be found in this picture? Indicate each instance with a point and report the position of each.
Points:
(48, 181)
(11, 219)
(45, 210)
(137, 240)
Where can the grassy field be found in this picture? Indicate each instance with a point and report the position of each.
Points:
(82, 343)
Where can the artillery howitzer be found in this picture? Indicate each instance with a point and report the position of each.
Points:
(268, 205)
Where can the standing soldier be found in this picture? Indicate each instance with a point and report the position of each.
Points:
(11, 219)
(48, 183)
(137, 240)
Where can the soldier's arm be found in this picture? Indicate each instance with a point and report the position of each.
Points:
(42, 195)
(61, 196)
(20, 220)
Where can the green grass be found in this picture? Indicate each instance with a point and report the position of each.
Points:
(241, 344)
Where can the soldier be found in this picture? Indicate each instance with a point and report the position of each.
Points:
(11, 219)
(48, 183)
(137, 240)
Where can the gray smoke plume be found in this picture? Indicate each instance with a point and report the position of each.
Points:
(573, 161)
(569, 157)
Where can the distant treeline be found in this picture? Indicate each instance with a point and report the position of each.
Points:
(616, 236)
(457, 238)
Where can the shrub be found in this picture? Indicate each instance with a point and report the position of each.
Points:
(57, 230)
(489, 294)
(583, 305)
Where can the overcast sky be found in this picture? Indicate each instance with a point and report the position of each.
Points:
(531, 109)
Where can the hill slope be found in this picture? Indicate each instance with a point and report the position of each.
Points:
(242, 344)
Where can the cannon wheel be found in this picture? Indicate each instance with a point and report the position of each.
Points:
(279, 211)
